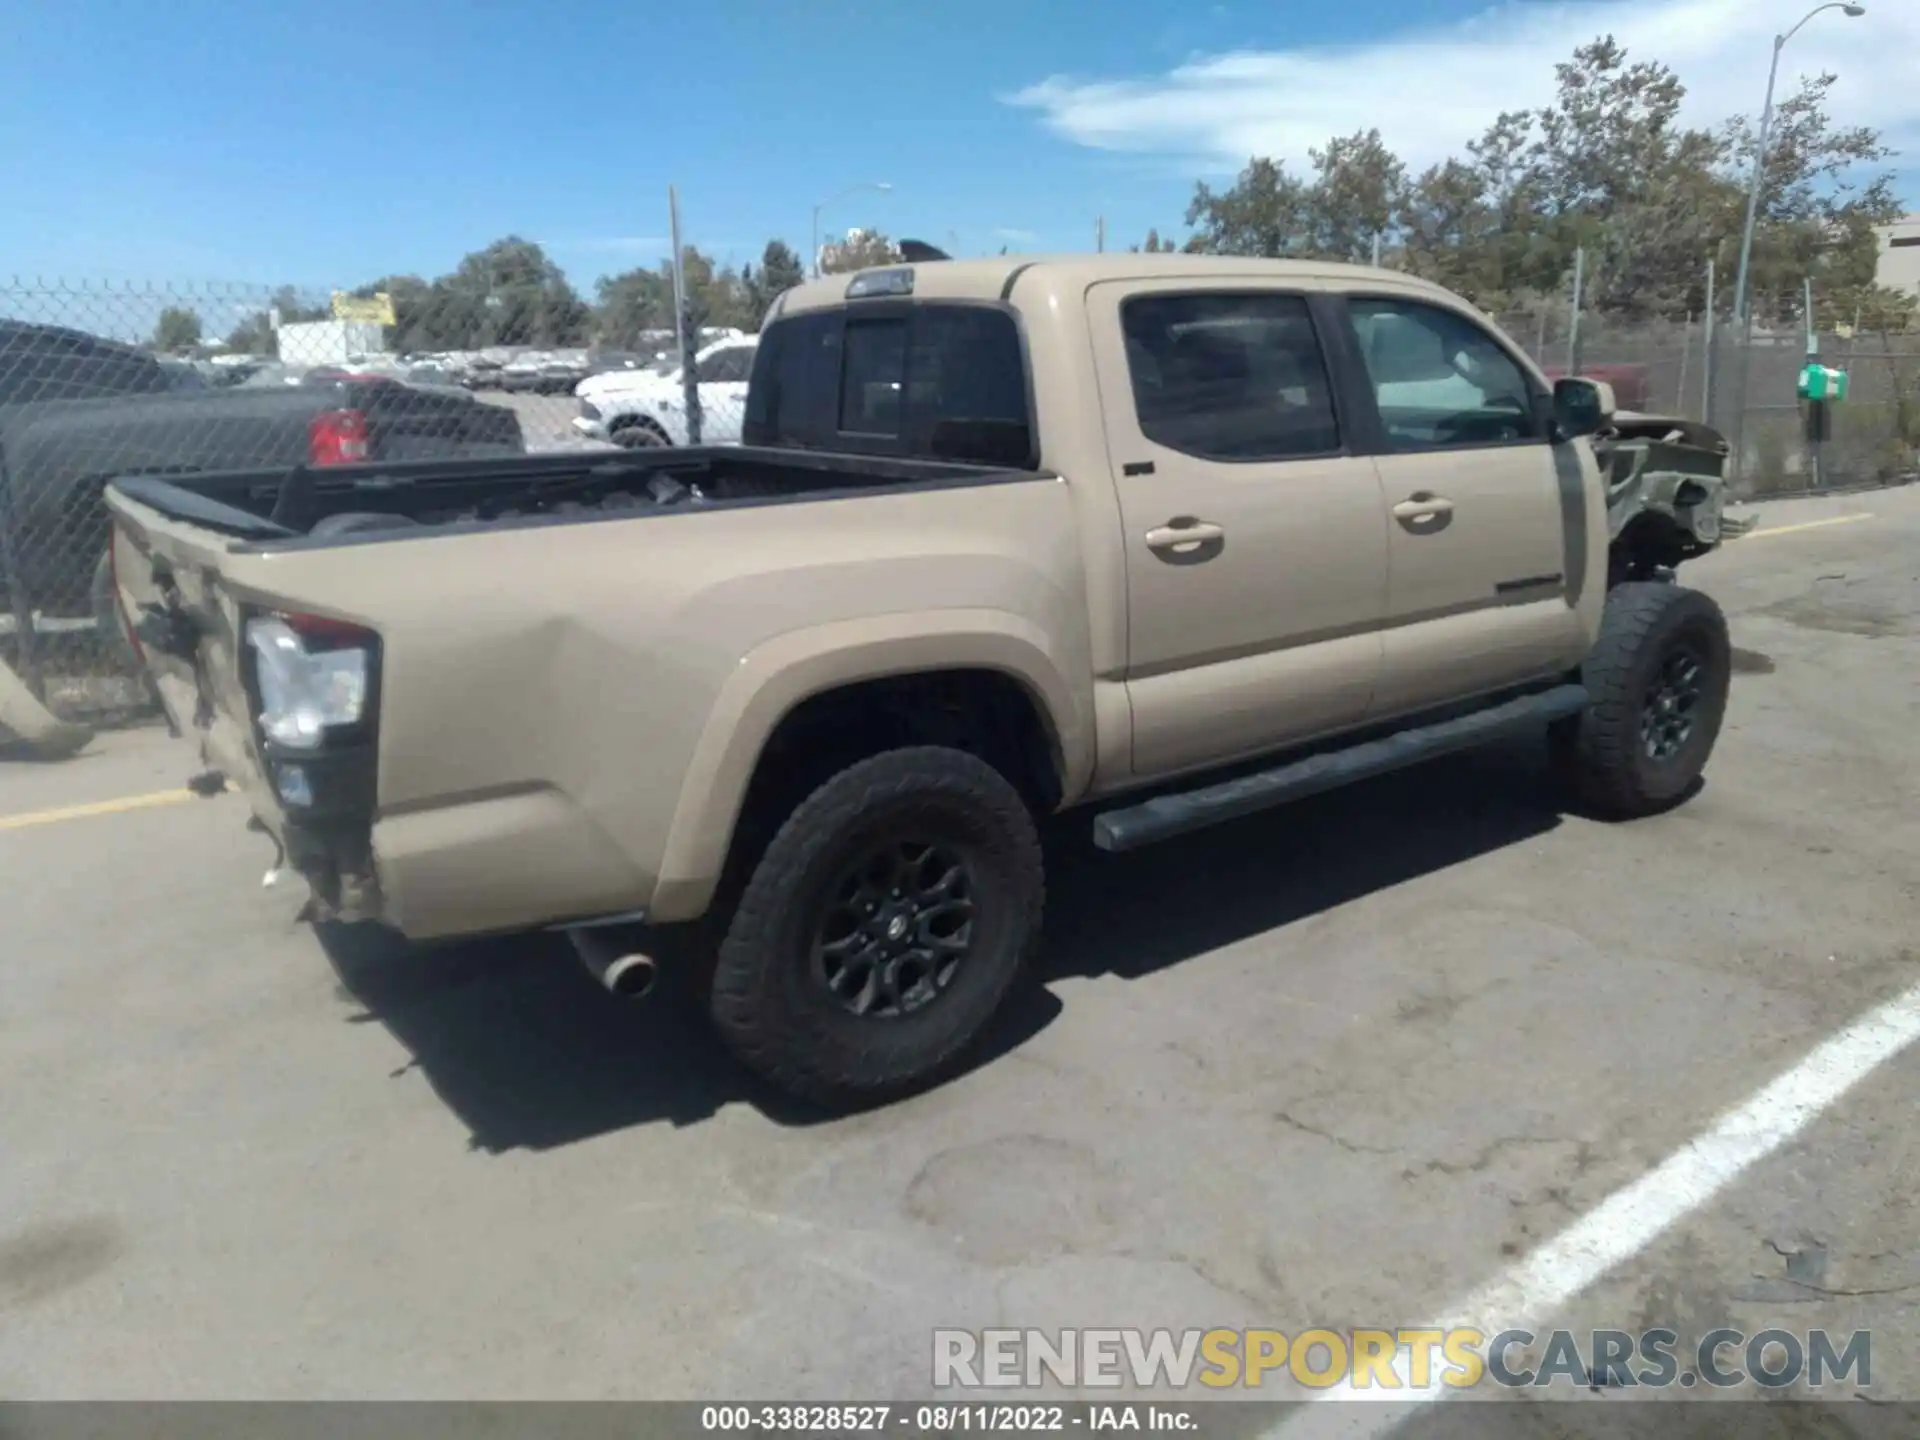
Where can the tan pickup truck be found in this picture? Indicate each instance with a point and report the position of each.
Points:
(1173, 538)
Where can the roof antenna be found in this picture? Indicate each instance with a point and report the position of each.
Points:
(918, 252)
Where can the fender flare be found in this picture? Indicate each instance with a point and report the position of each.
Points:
(778, 676)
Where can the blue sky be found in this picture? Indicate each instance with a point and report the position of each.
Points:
(321, 145)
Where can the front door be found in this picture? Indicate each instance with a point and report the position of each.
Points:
(1256, 546)
(1487, 535)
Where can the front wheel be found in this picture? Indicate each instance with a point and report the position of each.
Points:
(640, 435)
(882, 928)
(1658, 678)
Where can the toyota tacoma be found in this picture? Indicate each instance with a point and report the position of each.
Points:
(1164, 539)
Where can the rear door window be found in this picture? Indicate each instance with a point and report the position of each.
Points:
(1229, 376)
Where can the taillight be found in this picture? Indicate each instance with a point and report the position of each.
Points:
(311, 673)
(337, 437)
(323, 629)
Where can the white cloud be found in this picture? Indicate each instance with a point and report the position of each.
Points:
(1430, 91)
(1015, 237)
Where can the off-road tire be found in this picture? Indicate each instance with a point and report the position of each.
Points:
(769, 1008)
(1601, 753)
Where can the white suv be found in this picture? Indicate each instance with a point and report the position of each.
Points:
(648, 407)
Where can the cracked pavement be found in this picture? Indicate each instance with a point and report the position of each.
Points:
(1333, 1066)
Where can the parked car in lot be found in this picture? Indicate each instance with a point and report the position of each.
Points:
(640, 408)
(1166, 538)
(76, 410)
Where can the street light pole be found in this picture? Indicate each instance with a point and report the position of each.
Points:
(1742, 319)
(880, 185)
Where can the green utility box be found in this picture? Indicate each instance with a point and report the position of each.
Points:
(1822, 382)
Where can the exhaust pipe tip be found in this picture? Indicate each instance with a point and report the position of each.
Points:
(631, 977)
(628, 974)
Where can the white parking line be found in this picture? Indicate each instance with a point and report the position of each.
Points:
(1631, 1219)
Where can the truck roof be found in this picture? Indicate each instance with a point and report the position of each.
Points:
(991, 279)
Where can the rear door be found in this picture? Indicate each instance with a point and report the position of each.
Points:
(1486, 514)
(1256, 544)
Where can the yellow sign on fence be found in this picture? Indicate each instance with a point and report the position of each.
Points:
(366, 309)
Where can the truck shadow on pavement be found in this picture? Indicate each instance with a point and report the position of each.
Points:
(518, 1040)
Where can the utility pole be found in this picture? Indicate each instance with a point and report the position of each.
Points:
(1742, 309)
(683, 325)
(1100, 235)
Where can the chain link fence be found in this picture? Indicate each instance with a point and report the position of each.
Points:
(98, 380)
(1699, 372)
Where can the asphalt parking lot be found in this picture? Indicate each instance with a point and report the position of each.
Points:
(1337, 1066)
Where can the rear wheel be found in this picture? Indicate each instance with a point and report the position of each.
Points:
(1658, 677)
(882, 928)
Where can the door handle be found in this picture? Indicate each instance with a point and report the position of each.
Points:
(1185, 540)
(1424, 512)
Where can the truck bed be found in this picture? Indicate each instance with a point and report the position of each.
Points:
(57, 455)
(306, 508)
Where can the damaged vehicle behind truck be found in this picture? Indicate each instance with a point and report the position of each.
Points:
(1168, 539)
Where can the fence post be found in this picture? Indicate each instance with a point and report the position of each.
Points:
(683, 324)
(1573, 334)
(1706, 354)
(1686, 361)
(1816, 443)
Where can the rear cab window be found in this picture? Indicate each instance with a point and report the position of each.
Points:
(935, 380)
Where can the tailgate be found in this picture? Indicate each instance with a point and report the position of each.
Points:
(187, 628)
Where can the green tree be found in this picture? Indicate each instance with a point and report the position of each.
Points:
(1825, 188)
(1264, 212)
(417, 320)
(510, 293)
(632, 303)
(1607, 167)
(177, 329)
(857, 250)
(1154, 245)
(255, 335)
(780, 270)
(1359, 187)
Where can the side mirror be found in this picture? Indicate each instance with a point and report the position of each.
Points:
(1581, 407)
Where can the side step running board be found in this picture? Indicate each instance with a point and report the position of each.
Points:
(1165, 816)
